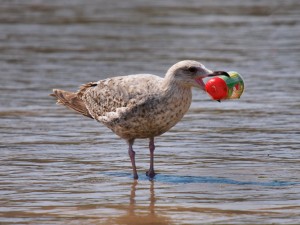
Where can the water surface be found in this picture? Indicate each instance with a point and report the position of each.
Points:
(235, 162)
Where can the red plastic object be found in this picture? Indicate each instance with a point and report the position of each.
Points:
(217, 88)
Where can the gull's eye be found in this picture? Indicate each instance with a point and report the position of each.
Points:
(192, 69)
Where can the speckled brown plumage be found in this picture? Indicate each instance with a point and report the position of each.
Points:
(138, 106)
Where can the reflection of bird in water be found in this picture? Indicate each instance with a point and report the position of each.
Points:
(139, 106)
(138, 215)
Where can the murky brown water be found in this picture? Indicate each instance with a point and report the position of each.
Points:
(235, 162)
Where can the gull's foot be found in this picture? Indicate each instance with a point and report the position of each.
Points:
(150, 173)
(135, 176)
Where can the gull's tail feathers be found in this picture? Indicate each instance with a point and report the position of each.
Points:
(71, 100)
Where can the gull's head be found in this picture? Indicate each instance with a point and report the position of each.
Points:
(190, 73)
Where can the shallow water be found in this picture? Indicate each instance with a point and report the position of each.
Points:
(235, 162)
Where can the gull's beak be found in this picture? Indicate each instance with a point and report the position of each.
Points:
(199, 81)
(218, 73)
(201, 74)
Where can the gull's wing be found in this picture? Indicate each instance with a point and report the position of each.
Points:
(113, 98)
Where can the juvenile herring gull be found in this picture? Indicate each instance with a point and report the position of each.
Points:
(140, 105)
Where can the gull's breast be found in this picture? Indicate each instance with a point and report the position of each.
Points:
(153, 117)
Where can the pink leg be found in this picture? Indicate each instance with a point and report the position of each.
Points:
(151, 172)
(132, 158)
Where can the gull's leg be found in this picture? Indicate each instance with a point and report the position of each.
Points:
(151, 172)
(132, 158)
